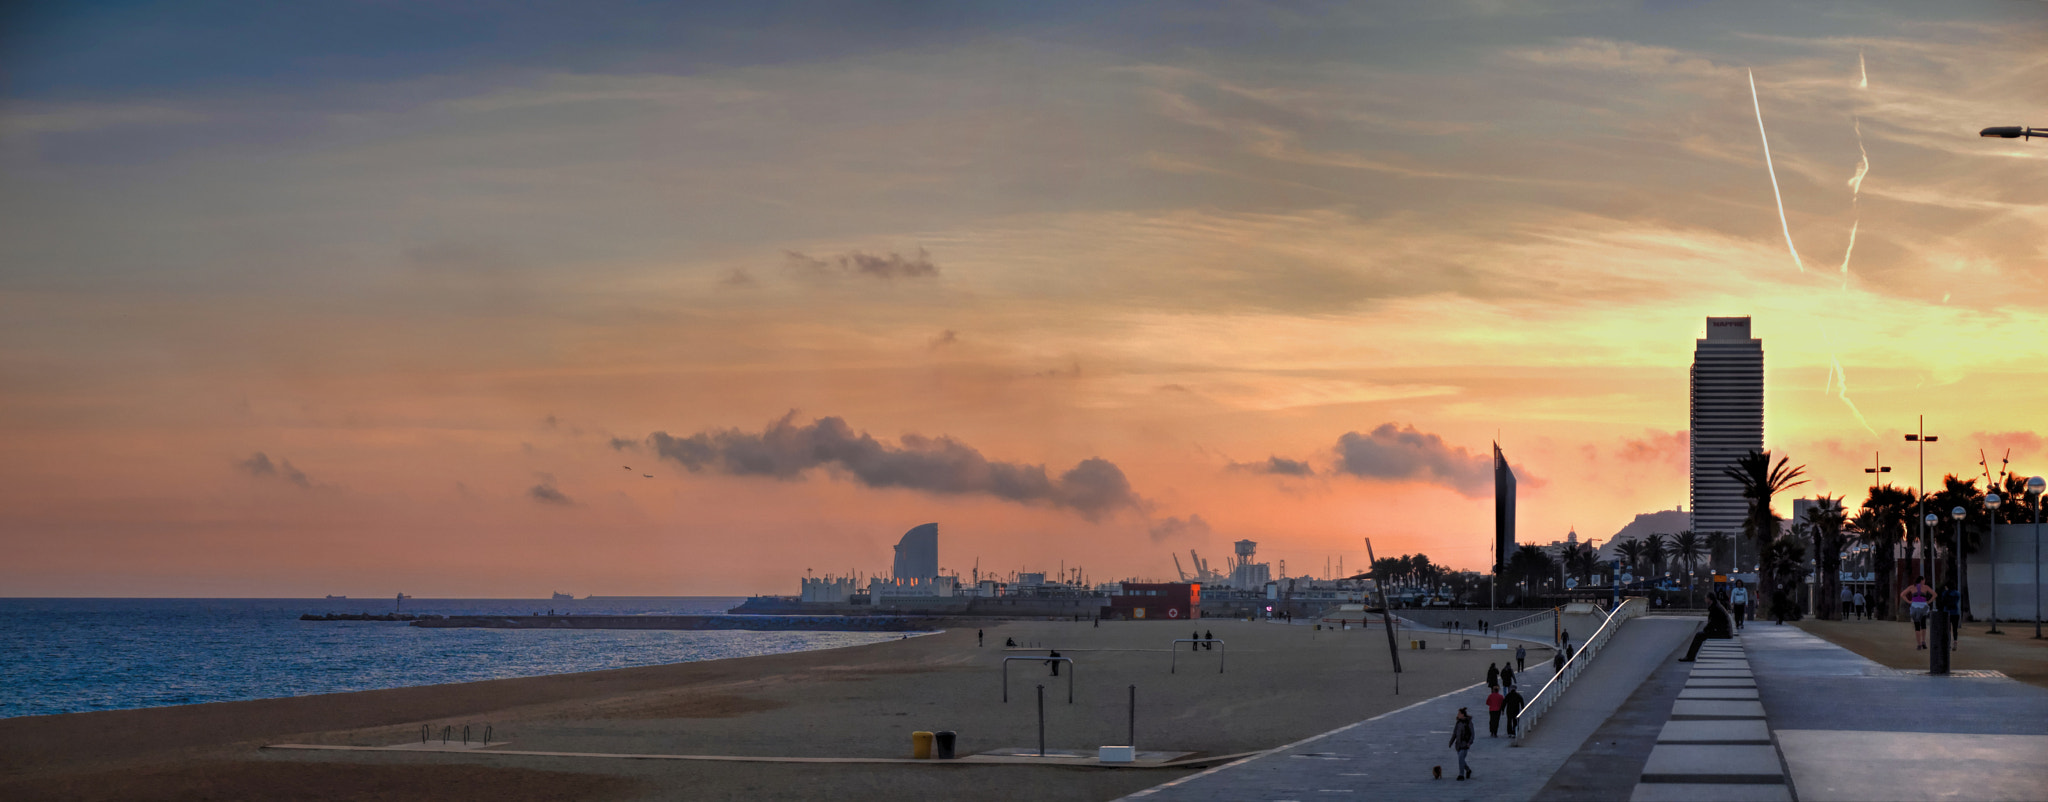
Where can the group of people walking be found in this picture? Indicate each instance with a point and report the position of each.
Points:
(1503, 700)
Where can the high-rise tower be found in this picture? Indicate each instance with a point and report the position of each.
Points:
(1727, 420)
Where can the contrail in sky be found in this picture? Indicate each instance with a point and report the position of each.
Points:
(1862, 69)
(1856, 193)
(1773, 171)
(1838, 379)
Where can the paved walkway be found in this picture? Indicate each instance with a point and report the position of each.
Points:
(1850, 729)
(1390, 756)
(1715, 744)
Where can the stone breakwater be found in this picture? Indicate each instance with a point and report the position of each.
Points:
(758, 623)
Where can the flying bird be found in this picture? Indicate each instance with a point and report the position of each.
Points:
(648, 475)
(627, 467)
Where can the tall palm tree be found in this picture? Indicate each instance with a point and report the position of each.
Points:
(1687, 548)
(1885, 523)
(1760, 481)
(1717, 549)
(1784, 561)
(1824, 520)
(1532, 566)
(1630, 552)
(1655, 549)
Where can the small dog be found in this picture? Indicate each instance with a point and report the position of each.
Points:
(1438, 771)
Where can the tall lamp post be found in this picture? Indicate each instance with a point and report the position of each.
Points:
(1991, 501)
(1923, 438)
(2035, 487)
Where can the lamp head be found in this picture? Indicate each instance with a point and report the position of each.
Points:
(1931, 519)
(2004, 131)
(1958, 513)
(2037, 485)
(1991, 501)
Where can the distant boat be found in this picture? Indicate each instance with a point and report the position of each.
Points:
(565, 597)
(332, 596)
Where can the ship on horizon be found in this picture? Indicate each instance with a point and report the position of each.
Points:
(565, 597)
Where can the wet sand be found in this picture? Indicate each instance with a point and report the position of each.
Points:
(1282, 683)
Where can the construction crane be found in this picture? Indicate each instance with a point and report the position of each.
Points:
(1177, 568)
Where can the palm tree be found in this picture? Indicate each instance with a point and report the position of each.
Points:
(1885, 522)
(1532, 566)
(1687, 548)
(1717, 547)
(1824, 520)
(1958, 493)
(1655, 549)
(1760, 481)
(1630, 552)
(1784, 561)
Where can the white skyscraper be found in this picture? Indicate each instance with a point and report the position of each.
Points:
(1727, 420)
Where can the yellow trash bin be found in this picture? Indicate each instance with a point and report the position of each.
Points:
(921, 745)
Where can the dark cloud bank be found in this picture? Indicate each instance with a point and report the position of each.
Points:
(259, 464)
(1399, 453)
(786, 450)
(857, 263)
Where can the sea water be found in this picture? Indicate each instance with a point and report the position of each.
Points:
(75, 655)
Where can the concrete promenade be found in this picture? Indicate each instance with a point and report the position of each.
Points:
(1390, 756)
(1776, 714)
(1850, 729)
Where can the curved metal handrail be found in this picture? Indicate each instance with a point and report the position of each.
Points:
(1173, 664)
(1533, 711)
(1070, 674)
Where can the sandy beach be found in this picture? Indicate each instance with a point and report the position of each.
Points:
(1282, 683)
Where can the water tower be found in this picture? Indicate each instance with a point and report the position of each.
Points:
(1245, 550)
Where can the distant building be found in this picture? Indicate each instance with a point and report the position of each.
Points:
(917, 554)
(1503, 510)
(1175, 601)
(1727, 420)
(830, 590)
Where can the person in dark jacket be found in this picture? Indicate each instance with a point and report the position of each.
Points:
(1557, 661)
(1511, 707)
(1507, 676)
(1720, 626)
(1461, 740)
(1055, 664)
(1492, 676)
(1211, 638)
(1521, 657)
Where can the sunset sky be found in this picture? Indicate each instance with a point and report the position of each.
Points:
(300, 299)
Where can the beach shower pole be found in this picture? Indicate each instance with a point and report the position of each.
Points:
(1041, 721)
(1134, 719)
(1386, 616)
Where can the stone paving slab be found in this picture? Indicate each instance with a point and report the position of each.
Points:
(1714, 673)
(1752, 731)
(1717, 708)
(1717, 682)
(1709, 763)
(1711, 792)
(1846, 765)
(1718, 693)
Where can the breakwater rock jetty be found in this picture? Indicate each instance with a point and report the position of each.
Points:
(367, 617)
(763, 623)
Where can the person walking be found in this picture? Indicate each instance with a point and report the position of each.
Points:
(1952, 606)
(1494, 703)
(1507, 676)
(1918, 595)
(1848, 607)
(1858, 599)
(1461, 740)
(1209, 636)
(1511, 707)
(977, 639)
(1557, 661)
(1052, 660)
(1492, 676)
(1741, 599)
(1521, 657)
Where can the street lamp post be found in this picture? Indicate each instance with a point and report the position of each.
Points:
(1991, 501)
(2035, 487)
(1923, 438)
(2014, 132)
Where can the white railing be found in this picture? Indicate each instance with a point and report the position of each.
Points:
(1525, 722)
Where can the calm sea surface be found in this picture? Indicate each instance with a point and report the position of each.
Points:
(73, 655)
